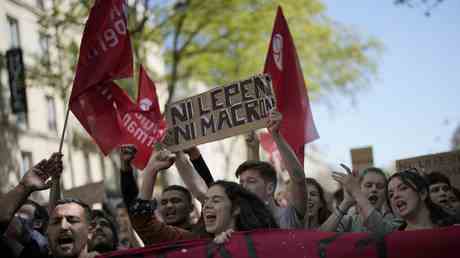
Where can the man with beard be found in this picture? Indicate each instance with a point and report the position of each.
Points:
(68, 229)
(367, 193)
(103, 235)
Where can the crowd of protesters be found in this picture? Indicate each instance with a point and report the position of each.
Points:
(368, 201)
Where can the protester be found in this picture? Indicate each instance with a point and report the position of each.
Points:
(317, 210)
(68, 229)
(440, 188)
(409, 198)
(28, 228)
(259, 177)
(175, 205)
(25, 221)
(103, 233)
(367, 192)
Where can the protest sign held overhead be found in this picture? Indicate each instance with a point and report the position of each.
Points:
(233, 109)
(282, 63)
(447, 163)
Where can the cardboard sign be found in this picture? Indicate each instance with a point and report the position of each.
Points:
(233, 109)
(447, 163)
(90, 193)
(362, 158)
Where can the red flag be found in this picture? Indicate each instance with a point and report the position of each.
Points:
(283, 65)
(142, 124)
(105, 55)
(97, 114)
(105, 51)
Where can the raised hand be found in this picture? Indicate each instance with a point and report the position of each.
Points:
(127, 154)
(37, 177)
(274, 121)
(193, 152)
(349, 181)
(160, 160)
(251, 139)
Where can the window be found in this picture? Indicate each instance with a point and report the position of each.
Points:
(88, 166)
(44, 41)
(22, 120)
(26, 162)
(51, 110)
(41, 4)
(14, 32)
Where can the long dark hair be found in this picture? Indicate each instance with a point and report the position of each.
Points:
(323, 212)
(254, 214)
(419, 184)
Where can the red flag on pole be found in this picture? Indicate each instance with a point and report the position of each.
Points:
(105, 55)
(105, 51)
(142, 124)
(282, 63)
(97, 114)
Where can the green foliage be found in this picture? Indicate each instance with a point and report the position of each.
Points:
(215, 42)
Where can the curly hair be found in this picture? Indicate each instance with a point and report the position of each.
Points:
(254, 214)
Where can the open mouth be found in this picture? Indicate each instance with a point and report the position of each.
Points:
(373, 199)
(401, 206)
(65, 242)
(211, 218)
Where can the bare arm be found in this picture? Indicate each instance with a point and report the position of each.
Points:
(200, 165)
(160, 160)
(294, 167)
(252, 146)
(35, 179)
(192, 180)
(332, 223)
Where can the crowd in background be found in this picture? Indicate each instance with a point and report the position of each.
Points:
(368, 201)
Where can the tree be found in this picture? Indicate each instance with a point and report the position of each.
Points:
(215, 42)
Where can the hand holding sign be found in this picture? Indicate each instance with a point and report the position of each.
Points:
(274, 122)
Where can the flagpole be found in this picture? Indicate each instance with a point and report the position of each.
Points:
(55, 191)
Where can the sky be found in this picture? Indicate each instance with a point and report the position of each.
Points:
(413, 107)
